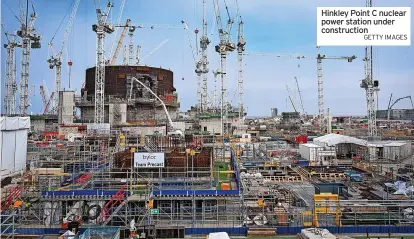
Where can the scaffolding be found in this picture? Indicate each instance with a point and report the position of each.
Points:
(93, 180)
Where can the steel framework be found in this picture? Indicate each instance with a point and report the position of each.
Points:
(29, 40)
(101, 29)
(10, 87)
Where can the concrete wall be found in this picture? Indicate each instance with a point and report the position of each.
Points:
(214, 125)
(396, 114)
(117, 114)
(145, 130)
(66, 107)
(38, 125)
(67, 130)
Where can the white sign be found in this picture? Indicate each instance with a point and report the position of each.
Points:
(149, 160)
(364, 26)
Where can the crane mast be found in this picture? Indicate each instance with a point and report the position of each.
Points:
(55, 61)
(300, 96)
(131, 45)
(370, 87)
(10, 87)
(101, 29)
(204, 42)
(223, 48)
(321, 108)
(120, 41)
(29, 40)
(241, 47)
(319, 59)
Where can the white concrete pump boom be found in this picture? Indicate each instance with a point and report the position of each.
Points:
(56, 59)
(395, 102)
(162, 103)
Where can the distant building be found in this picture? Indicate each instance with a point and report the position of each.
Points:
(273, 112)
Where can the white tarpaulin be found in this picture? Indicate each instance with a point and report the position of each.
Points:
(401, 188)
(13, 143)
(218, 235)
(330, 140)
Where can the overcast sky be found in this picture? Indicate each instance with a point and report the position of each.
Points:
(282, 26)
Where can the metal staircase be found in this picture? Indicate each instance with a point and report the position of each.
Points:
(11, 197)
(112, 207)
(150, 145)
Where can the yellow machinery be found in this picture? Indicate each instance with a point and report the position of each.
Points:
(328, 204)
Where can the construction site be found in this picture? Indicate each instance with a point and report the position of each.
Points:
(120, 159)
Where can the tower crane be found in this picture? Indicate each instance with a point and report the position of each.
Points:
(29, 39)
(55, 61)
(46, 102)
(290, 98)
(101, 29)
(223, 48)
(319, 59)
(204, 42)
(198, 67)
(395, 102)
(131, 30)
(151, 52)
(10, 87)
(300, 96)
(120, 41)
(241, 47)
(371, 86)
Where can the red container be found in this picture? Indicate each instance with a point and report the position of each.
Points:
(301, 139)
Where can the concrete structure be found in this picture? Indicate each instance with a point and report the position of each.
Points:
(66, 107)
(290, 117)
(13, 144)
(396, 114)
(43, 123)
(212, 123)
(132, 101)
(117, 114)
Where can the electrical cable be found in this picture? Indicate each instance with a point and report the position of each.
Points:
(18, 19)
(61, 22)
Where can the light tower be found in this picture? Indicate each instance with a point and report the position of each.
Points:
(101, 29)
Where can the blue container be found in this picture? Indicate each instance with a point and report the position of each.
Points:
(303, 163)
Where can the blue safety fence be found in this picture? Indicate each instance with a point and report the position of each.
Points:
(243, 230)
(205, 231)
(235, 169)
(195, 192)
(96, 192)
